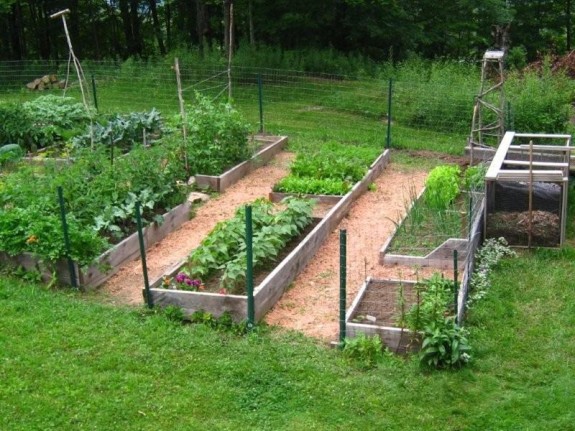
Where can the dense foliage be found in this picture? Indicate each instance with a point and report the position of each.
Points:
(376, 29)
(442, 186)
(329, 169)
(222, 253)
(41, 122)
(100, 190)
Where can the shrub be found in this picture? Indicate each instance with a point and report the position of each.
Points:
(540, 102)
(217, 137)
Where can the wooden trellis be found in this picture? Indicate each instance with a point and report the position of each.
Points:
(488, 122)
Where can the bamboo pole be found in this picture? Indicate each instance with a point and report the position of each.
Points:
(530, 232)
(230, 51)
(182, 113)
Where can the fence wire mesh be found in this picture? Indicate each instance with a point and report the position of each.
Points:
(294, 102)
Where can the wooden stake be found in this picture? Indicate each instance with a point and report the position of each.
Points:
(530, 232)
(230, 49)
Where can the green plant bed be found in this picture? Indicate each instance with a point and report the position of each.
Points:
(425, 228)
(330, 169)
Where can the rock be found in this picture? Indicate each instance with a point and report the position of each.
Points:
(198, 197)
(192, 181)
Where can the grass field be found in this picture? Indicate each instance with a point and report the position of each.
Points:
(71, 361)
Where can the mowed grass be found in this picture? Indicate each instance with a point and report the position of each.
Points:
(68, 361)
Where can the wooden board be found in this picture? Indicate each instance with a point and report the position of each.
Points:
(219, 183)
(324, 199)
(396, 339)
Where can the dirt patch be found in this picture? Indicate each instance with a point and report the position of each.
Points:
(462, 161)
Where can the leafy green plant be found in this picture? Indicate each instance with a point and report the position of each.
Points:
(217, 137)
(223, 250)
(435, 300)
(41, 122)
(444, 345)
(486, 259)
(363, 349)
(312, 186)
(442, 186)
(124, 131)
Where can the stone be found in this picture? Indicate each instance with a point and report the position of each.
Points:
(198, 197)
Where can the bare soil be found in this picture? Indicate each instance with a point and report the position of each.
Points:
(311, 303)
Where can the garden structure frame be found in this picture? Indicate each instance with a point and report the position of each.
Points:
(526, 188)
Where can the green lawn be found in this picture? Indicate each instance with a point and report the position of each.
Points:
(68, 361)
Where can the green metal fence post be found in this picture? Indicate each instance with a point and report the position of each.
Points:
(111, 151)
(249, 268)
(94, 92)
(71, 266)
(455, 283)
(342, 284)
(148, 295)
(261, 102)
(389, 93)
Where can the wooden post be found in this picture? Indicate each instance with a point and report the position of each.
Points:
(182, 114)
(530, 233)
(230, 51)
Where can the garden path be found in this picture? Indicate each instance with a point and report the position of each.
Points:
(311, 304)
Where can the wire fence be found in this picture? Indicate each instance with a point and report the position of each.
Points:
(382, 305)
(421, 114)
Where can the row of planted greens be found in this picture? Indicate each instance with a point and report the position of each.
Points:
(328, 169)
(443, 211)
(219, 263)
(101, 190)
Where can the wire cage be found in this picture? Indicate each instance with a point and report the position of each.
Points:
(526, 190)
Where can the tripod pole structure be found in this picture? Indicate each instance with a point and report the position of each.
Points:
(77, 65)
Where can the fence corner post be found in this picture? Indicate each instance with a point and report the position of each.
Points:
(389, 98)
(249, 268)
(342, 285)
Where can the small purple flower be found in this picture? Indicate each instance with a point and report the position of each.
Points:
(189, 282)
(181, 277)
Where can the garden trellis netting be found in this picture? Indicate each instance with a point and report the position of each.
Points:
(292, 102)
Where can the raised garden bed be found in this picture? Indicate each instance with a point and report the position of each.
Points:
(376, 310)
(436, 226)
(268, 292)
(270, 146)
(108, 263)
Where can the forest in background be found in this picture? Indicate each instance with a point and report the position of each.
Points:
(380, 30)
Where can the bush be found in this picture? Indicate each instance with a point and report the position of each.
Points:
(217, 137)
(540, 102)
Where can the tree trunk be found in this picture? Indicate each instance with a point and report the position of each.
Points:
(16, 34)
(168, 16)
(75, 27)
(126, 22)
(569, 28)
(251, 24)
(135, 21)
(157, 27)
(201, 24)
